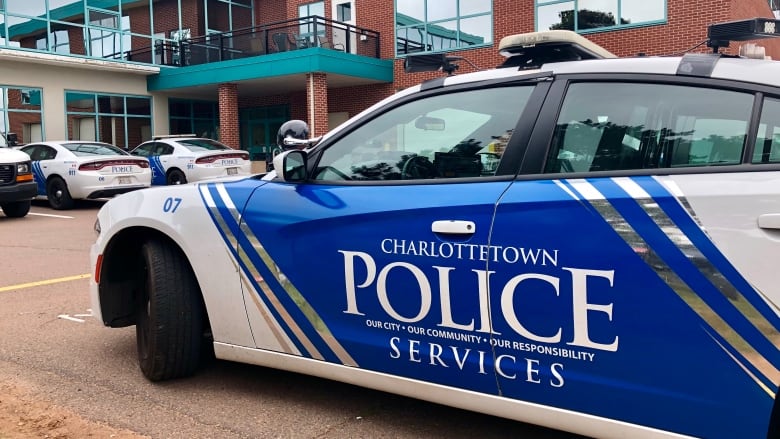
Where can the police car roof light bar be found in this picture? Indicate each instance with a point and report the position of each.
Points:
(531, 50)
(172, 136)
(721, 34)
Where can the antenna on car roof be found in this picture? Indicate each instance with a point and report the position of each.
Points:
(432, 62)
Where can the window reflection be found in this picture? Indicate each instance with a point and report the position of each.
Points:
(579, 15)
(638, 11)
(30, 8)
(469, 7)
(101, 28)
(646, 126)
(20, 114)
(440, 25)
(550, 17)
(124, 121)
(767, 149)
(444, 10)
(413, 9)
(456, 135)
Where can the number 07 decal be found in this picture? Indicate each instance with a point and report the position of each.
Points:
(171, 204)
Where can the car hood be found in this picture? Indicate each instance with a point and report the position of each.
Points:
(12, 155)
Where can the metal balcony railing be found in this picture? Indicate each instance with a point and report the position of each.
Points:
(283, 36)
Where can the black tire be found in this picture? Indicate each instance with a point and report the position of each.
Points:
(176, 177)
(169, 329)
(58, 194)
(17, 209)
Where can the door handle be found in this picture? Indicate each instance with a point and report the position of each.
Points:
(454, 227)
(769, 221)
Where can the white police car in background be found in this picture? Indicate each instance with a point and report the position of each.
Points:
(613, 275)
(69, 170)
(183, 159)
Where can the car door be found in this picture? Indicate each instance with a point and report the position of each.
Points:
(609, 283)
(378, 261)
(152, 151)
(41, 156)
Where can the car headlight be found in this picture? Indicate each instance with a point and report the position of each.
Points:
(23, 168)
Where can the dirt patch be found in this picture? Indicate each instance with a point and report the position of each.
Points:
(22, 416)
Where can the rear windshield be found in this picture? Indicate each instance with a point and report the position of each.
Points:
(89, 149)
(196, 145)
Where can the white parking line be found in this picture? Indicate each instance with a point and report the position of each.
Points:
(67, 317)
(50, 215)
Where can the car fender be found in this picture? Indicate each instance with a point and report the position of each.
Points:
(178, 213)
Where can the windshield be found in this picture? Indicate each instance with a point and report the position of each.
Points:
(89, 149)
(196, 145)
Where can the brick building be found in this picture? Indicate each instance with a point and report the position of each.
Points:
(122, 70)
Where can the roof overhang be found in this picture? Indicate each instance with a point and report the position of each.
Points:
(272, 74)
(24, 56)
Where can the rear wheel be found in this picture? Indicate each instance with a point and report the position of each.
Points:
(176, 177)
(170, 325)
(17, 209)
(58, 194)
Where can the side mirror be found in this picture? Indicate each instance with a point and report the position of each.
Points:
(291, 165)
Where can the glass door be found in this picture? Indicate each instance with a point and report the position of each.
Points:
(259, 127)
(344, 12)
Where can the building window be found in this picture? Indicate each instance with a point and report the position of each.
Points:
(228, 15)
(121, 120)
(20, 115)
(58, 41)
(308, 9)
(442, 25)
(344, 12)
(586, 15)
(194, 117)
(109, 34)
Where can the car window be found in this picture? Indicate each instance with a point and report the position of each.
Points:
(40, 152)
(196, 145)
(767, 148)
(89, 149)
(162, 149)
(461, 134)
(647, 126)
(32, 151)
(143, 150)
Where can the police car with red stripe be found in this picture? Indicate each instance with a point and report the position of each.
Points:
(573, 240)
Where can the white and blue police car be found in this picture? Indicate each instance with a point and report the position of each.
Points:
(180, 159)
(66, 171)
(612, 275)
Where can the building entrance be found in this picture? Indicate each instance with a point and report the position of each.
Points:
(259, 126)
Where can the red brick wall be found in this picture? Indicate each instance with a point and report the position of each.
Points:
(317, 93)
(356, 99)
(270, 11)
(229, 133)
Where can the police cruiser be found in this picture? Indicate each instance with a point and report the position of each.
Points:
(179, 159)
(573, 240)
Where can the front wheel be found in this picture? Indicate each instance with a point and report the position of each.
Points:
(58, 194)
(176, 177)
(17, 209)
(170, 325)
